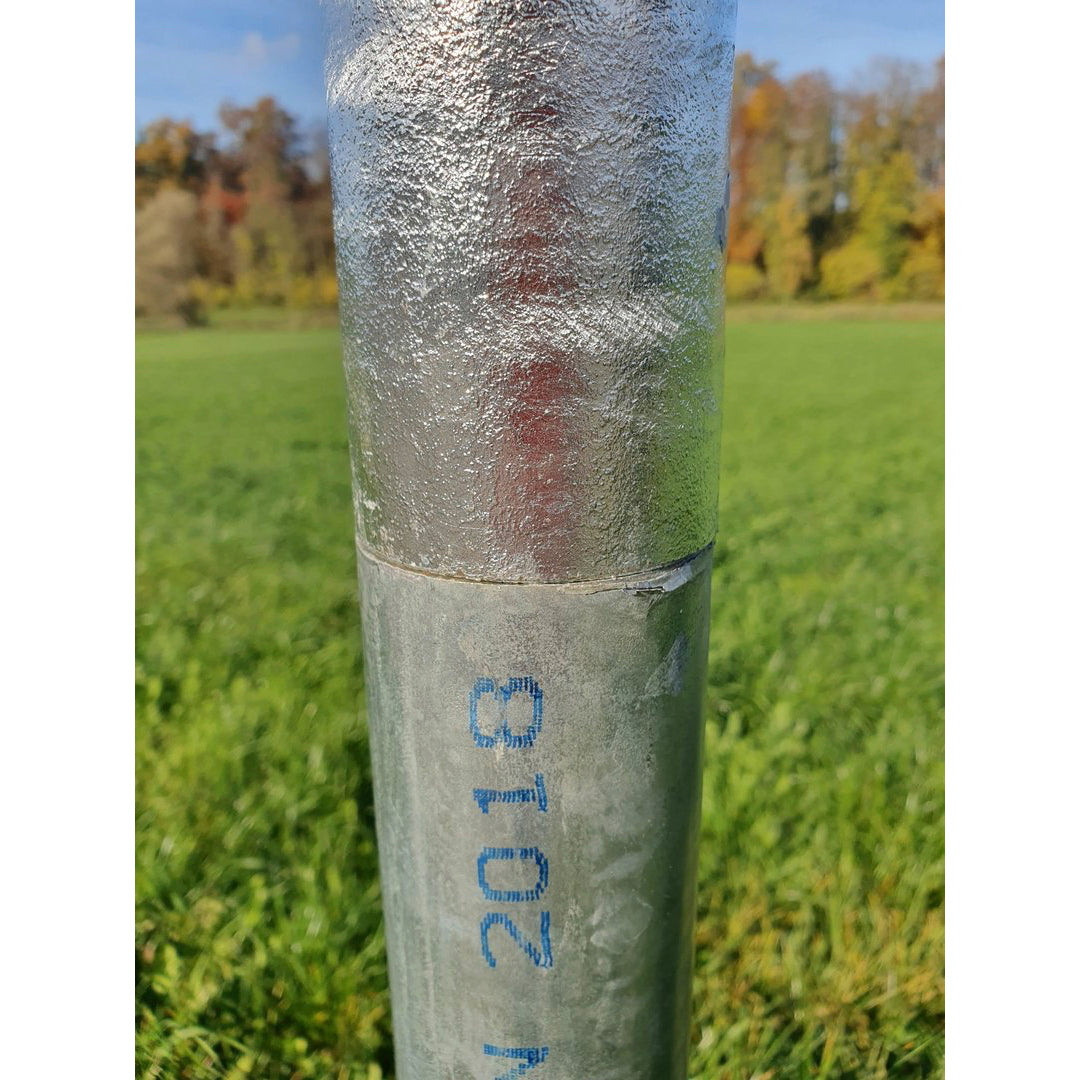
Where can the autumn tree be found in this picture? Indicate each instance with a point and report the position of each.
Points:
(265, 154)
(313, 210)
(759, 149)
(922, 274)
(812, 166)
(890, 125)
(927, 140)
(165, 237)
(783, 178)
(170, 154)
(788, 258)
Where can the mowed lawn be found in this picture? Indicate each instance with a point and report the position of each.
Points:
(820, 940)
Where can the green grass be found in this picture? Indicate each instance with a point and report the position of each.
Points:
(820, 931)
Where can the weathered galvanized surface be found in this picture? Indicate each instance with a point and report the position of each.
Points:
(530, 207)
(536, 752)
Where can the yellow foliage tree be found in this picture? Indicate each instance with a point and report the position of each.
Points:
(922, 275)
(883, 196)
(788, 259)
(169, 154)
(853, 270)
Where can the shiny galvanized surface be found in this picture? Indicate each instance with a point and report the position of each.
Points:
(536, 753)
(529, 211)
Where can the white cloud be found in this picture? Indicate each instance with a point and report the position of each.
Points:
(256, 50)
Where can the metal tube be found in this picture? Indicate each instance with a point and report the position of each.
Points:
(530, 212)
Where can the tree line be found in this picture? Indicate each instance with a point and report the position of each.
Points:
(837, 194)
(834, 194)
(239, 219)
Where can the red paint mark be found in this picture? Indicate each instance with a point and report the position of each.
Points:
(535, 511)
(535, 507)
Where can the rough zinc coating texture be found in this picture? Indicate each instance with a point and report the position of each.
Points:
(529, 212)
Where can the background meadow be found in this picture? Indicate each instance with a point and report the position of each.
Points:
(820, 936)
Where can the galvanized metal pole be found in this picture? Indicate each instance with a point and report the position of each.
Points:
(530, 212)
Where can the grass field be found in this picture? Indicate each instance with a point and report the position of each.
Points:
(820, 942)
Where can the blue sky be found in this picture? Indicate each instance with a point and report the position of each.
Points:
(190, 55)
